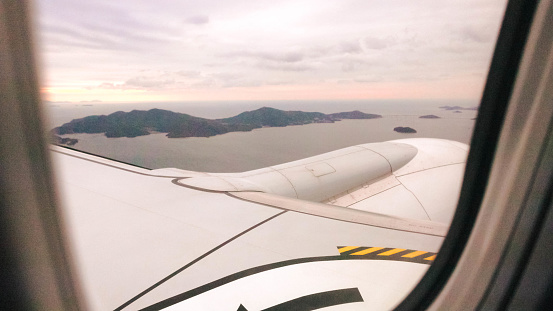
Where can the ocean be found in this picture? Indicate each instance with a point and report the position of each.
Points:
(241, 151)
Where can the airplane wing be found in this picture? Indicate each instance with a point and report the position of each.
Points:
(350, 229)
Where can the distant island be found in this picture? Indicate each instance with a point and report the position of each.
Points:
(55, 139)
(406, 130)
(179, 125)
(430, 116)
(458, 108)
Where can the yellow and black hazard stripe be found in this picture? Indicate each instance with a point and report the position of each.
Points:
(383, 253)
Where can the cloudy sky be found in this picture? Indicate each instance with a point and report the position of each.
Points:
(181, 50)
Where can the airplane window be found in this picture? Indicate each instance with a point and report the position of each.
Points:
(233, 155)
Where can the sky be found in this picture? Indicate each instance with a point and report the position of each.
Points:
(205, 50)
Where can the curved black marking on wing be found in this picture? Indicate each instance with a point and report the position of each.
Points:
(317, 301)
(320, 300)
(242, 274)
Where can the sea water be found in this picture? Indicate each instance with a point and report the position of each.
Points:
(241, 151)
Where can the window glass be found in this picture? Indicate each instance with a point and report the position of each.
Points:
(294, 144)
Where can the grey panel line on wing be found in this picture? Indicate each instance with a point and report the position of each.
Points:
(415, 199)
(411, 230)
(165, 279)
(432, 168)
(374, 195)
(289, 181)
(390, 164)
(113, 166)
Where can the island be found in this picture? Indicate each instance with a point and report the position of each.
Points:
(458, 108)
(430, 116)
(179, 125)
(405, 130)
(55, 139)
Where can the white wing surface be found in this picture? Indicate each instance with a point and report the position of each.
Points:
(353, 228)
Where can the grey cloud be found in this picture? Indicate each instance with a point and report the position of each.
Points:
(367, 80)
(101, 39)
(373, 43)
(188, 73)
(277, 82)
(455, 48)
(242, 83)
(353, 47)
(197, 19)
(358, 63)
(137, 83)
(104, 40)
(218, 80)
(249, 82)
(319, 51)
(348, 66)
(205, 83)
(147, 82)
(286, 57)
(285, 66)
(287, 61)
(97, 25)
(214, 64)
(224, 80)
(476, 35)
(109, 86)
(57, 102)
(70, 37)
(230, 80)
(226, 76)
(349, 62)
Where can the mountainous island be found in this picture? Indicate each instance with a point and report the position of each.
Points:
(430, 116)
(406, 130)
(179, 125)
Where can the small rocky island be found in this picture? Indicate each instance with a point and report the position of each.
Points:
(430, 116)
(55, 139)
(458, 108)
(178, 125)
(405, 130)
